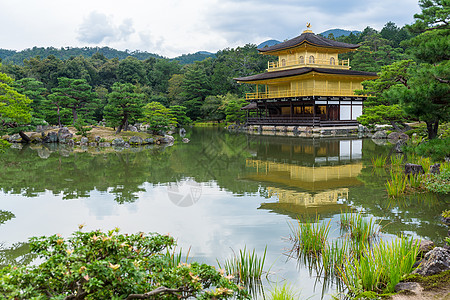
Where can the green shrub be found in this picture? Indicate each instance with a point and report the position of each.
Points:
(437, 149)
(108, 265)
(439, 183)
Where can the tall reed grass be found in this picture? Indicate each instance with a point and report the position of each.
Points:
(380, 267)
(397, 185)
(285, 292)
(359, 227)
(379, 161)
(311, 237)
(245, 266)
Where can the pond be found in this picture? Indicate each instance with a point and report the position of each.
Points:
(219, 193)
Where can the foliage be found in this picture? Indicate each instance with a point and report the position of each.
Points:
(14, 107)
(81, 127)
(381, 114)
(233, 110)
(309, 237)
(158, 117)
(124, 105)
(284, 292)
(438, 183)
(107, 265)
(437, 149)
(381, 267)
(360, 229)
(246, 267)
(178, 113)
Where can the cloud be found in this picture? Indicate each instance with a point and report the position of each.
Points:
(98, 27)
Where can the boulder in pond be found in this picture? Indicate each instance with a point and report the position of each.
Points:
(185, 140)
(84, 141)
(64, 134)
(104, 144)
(15, 138)
(382, 134)
(136, 140)
(395, 136)
(149, 141)
(52, 137)
(413, 169)
(170, 139)
(118, 142)
(435, 261)
(435, 169)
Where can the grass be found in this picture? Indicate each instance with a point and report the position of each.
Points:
(285, 292)
(359, 227)
(245, 266)
(397, 185)
(175, 258)
(396, 161)
(379, 161)
(310, 238)
(380, 267)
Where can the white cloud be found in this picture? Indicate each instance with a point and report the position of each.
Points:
(174, 27)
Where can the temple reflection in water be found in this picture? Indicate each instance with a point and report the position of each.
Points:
(306, 175)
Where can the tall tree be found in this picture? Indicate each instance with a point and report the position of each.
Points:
(77, 95)
(15, 110)
(35, 91)
(124, 105)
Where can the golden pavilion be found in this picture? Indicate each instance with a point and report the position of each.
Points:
(308, 85)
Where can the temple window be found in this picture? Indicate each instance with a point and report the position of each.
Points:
(311, 59)
(283, 62)
(301, 60)
(332, 61)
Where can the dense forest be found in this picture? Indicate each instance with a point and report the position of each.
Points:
(67, 85)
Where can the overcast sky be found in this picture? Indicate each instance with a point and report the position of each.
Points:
(174, 27)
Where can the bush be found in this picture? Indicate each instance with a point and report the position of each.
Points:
(437, 149)
(439, 183)
(99, 265)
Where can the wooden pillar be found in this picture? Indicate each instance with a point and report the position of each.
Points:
(292, 108)
(265, 104)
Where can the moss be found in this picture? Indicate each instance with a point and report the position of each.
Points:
(430, 282)
(446, 213)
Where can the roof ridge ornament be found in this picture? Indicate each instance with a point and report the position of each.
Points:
(308, 25)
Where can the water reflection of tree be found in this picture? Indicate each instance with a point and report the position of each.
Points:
(212, 156)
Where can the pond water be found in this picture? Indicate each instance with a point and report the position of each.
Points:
(217, 194)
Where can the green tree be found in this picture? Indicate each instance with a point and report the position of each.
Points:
(233, 110)
(15, 110)
(77, 95)
(124, 105)
(35, 91)
(131, 70)
(213, 108)
(178, 113)
(108, 265)
(158, 117)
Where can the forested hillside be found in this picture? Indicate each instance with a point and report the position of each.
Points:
(205, 89)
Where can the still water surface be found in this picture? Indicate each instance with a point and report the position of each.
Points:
(217, 194)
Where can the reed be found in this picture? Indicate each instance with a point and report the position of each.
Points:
(414, 181)
(396, 160)
(359, 227)
(379, 161)
(311, 237)
(333, 257)
(381, 267)
(397, 185)
(285, 292)
(175, 258)
(245, 266)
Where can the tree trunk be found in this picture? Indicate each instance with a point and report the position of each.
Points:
(432, 128)
(24, 137)
(75, 115)
(59, 117)
(405, 127)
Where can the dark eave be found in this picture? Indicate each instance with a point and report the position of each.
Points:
(311, 38)
(301, 71)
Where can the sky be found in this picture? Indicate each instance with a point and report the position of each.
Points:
(174, 27)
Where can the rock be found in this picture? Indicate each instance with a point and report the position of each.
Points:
(43, 153)
(144, 127)
(395, 136)
(15, 138)
(185, 140)
(446, 221)
(118, 142)
(97, 139)
(52, 137)
(413, 169)
(435, 261)
(425, 246)
(104, 144)
(382, 134)
(35, 137)
(399, 146)
(64, 135)
(435, 169)
(149, 141)
(182, 132)
(70, 142)
(169, 139)
(93, 144)
(132, 128)
(135, 140)
(84, 141)
(412, 287)
(18, 146)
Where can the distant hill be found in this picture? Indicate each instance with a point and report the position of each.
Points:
(17, 57)
(193, 57)
(339, 32)
(268, 43)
